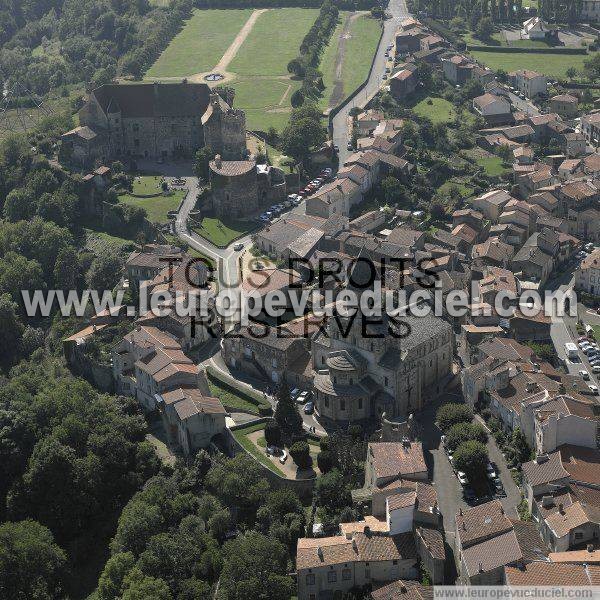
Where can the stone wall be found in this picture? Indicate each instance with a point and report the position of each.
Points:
(235, 197)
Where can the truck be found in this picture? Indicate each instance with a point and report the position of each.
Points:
(571, 350)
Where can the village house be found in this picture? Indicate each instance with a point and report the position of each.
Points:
(494, 109)
(564, 105)
(587, 278)
(530, 83)
(403, 83)
(590, 127)
(190, 418)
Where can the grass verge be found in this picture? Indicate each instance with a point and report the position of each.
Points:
(222, 233)
(241, 435)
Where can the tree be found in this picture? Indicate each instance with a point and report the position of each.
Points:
(111, 580)
(472, 458)
(519, 449)
(105, 272)
(484, 29)
(300, 453)
(11, 331)
(450, 414)
(31, 564)
(66, 270)
(332, 493)
(273, 434)
(201, 164)
(324, 461)
(255, 567)
(592, 67)
(463, 432)
(571, 72)
(286, 412)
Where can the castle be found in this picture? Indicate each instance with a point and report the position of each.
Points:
(155, 121)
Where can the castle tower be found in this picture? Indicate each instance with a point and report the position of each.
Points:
(225, 129)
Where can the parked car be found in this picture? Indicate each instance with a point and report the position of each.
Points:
(294, 393)
(584, 374)
(350, 147)
(302, 397)
(443, 440)
(582, 338)
(273, 450)
(283, 457)
(469, 495)
(309, 408)
(593, 389)
(596, 368)
(462, 478)
(239, 246)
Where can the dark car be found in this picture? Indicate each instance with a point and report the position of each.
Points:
(309, 408)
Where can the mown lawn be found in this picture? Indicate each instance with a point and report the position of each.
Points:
(241, 435)
(201, 43)
(145, 185)
(156, 208)
(230, 398)
(493, 165)
(553, 65)
(438, 110)
(328, 59)
(360, 48)
(222, 233)
(273, 42)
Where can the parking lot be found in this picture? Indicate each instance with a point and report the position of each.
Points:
(294, 200)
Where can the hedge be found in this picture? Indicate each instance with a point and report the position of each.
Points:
(517, 50)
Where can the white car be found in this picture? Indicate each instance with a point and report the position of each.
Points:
(239, 246)
(462, 477)
(593, 389)
(302, 397)
(283, 457)
(596, 369)
(584, 374)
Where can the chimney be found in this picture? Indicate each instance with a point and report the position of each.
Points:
(460, 511)
(320, 552)
(540, 459)
(590, 548)
(367, 531)
(547, 501)
(480, 567)
(354, 546)
(218, 161)
(403, 589)
(561, 508)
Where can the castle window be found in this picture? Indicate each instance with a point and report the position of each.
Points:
(346, 574)
(351, 381)
(135, 127)
(360, 404)
(326, 401)
(385, 381)
(136, 143)
(342, 405)
(331, 576)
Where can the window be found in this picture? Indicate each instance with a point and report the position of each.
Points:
(346, 574)
(367, 574)
(331, 576)
(385, 381)
(322, 360)
(327, 401)
(394, 562)
(360, 404)
(135, 127)
(136, 143)
(351, 381)
(578, 535)
(310, 579)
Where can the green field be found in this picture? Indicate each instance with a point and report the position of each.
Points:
(493, 165)
(199, 46)
(553, 65)
(438, 110)
(146, 185)
(273, 42)
(359, 51)
(222, 233)
(156, 208)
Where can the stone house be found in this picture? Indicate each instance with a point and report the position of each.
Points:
(529, 82)
(191, 418)
(403, 83)
(590, 127)
(587, 278)
(564, 105)
(150, 261)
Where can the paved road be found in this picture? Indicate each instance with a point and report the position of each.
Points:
(524, 105)
(398, 11)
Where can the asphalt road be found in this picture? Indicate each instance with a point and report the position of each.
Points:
(398, 11)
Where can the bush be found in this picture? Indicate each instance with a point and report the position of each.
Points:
(272, 434)
(300, 453)
(451, 414)
(464, 432)
(324, 461)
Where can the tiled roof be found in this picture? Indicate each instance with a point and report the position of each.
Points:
(434, 541)
(232, 168)
(373, 548)
(562, 522)
(546, 573)
(582, 464)
(540, 471)
(397, 501)
(191, 401)
(531, 544)
(396, 459)
(481, 522)
(498, 551)
(426, 497)
(269, 280)
(405, 590)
